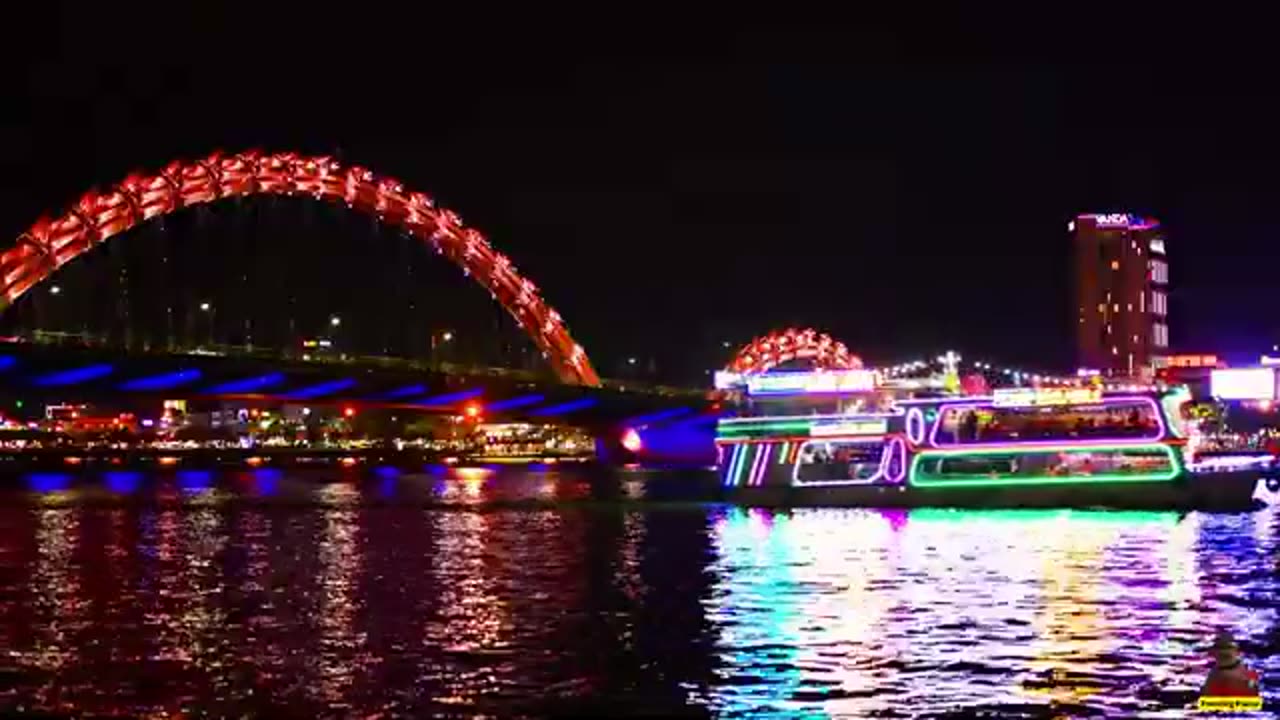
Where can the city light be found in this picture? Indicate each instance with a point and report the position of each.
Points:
(631, 440)
(446, 336)
(205, 307)
(335, 321)
(348, 411)
(472, 410)
(55, 290)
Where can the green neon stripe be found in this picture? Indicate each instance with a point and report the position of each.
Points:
(921, 479)
(1090, 517)
(764, 427)
(747, 451)
(786, 451)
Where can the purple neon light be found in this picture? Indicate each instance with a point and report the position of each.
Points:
(898, 447)
(762, 462)
(915, 421)
(1161, 431)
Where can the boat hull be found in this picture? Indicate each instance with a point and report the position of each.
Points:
(1218, 492)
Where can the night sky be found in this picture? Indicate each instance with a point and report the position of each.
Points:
(670, 190)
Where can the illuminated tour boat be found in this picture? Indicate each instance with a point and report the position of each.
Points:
(851, 436)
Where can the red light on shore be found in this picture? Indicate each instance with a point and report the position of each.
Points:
(348, 411)
(631, 440)
(473, 410)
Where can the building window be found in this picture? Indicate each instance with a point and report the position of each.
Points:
(1159, 272)
(1160, 335)
(1159, 303)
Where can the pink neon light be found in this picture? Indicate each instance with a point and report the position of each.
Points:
(761, 463)
(915, 422)
(1091, 442)
(900, 447)
(797, 439)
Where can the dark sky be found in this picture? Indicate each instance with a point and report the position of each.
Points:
(668, 189)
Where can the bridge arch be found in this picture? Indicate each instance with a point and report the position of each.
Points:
(769, 351)
(51, 243)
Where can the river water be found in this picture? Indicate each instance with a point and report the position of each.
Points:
(287, 596)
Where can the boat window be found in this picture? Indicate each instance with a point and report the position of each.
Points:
(1115, 464)
(963, 425)
(839, 461)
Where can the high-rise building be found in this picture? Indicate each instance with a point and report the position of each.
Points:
(1122, 301)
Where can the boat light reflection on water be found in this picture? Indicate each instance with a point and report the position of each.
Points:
(859, 611)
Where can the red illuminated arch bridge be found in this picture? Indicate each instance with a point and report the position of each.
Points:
(50, 244)
(781, 346)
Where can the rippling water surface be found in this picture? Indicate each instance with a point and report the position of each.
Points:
(277, 596)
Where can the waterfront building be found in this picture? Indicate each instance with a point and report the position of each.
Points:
(1121, 282)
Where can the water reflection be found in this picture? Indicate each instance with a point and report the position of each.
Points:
(341, 655)
(57, 599)
(838, 612)
(471, 618)
(278, 596)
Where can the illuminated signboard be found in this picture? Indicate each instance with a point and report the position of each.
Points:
(1042, 397)
(816, 382)
(850, 427)
(1157, 246)
(1270, 361)
(1112, 219)
(1192, 361)
(1244, 384)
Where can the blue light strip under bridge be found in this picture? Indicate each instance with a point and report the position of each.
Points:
(247, 385)
(451, 398)
(322, 389)
(72, 377)
(516, 402)
(642, 420)
(406, 392)
(565, 407)
(7, 361)
(167, 381)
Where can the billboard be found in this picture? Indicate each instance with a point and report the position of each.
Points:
(1043, 397)
(1244, 384)
(835, 381)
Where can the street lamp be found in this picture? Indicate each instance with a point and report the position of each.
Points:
(335, 321)
(206, 307)
(447, 336)
(55, 290)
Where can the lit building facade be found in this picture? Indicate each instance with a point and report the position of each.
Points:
(1122, 300)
